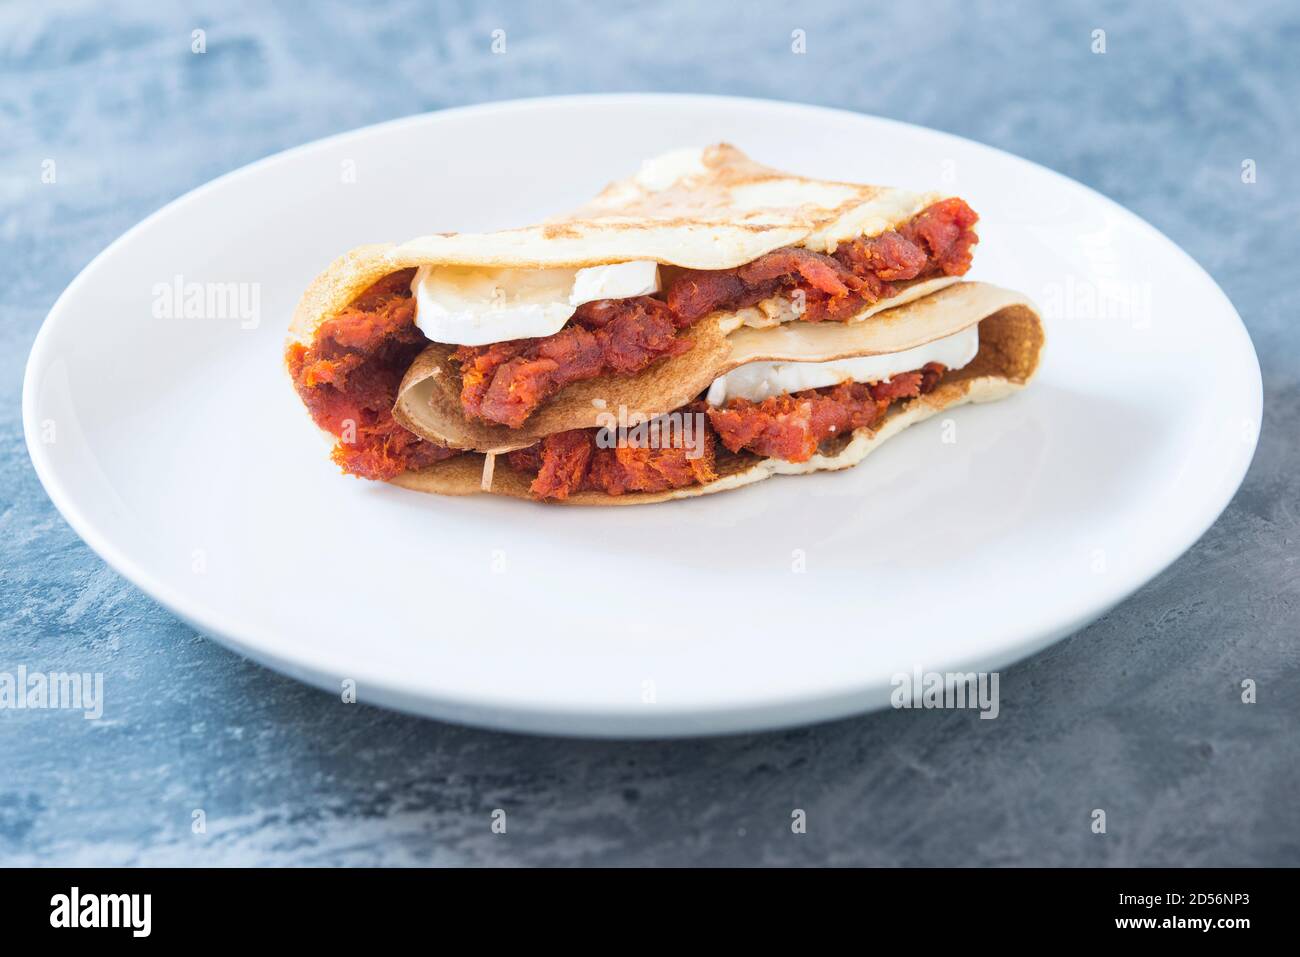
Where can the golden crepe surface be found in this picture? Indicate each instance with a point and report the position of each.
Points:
(1011, 341)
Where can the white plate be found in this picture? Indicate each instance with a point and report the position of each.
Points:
(176, 448)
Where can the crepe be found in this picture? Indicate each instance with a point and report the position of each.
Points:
(701, 216)
(1011, 342)
(700, 209)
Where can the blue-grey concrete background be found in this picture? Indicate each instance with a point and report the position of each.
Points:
(1139, 714)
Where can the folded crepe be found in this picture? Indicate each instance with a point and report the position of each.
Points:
(697, 327)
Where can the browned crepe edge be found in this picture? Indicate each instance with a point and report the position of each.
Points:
(334, 290)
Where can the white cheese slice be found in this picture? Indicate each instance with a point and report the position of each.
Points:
(758, 380)
(477, 306)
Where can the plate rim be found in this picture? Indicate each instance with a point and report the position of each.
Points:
(542, 717)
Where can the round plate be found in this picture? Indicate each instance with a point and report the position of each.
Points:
(170, 439)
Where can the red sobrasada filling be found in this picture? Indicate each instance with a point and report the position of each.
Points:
(349, 376)
(348, 379)
(790, 426)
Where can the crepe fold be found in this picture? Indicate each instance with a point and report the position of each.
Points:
(1011, 341)
(711, 208)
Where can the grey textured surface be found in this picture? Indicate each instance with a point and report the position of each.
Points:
(1139, 714)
